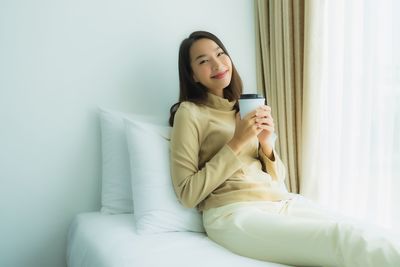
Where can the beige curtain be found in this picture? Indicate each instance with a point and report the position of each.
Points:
(280, 52)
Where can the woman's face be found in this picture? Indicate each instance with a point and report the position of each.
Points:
(210, 65)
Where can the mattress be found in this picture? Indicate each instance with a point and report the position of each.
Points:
(101, 240)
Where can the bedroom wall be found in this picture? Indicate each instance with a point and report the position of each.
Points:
(59, 60)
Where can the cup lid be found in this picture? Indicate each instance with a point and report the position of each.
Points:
(250, 96)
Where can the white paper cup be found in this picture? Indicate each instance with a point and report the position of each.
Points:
(249, 102)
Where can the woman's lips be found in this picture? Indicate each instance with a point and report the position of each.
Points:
(220, 75)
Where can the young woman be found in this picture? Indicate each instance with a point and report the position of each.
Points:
(226, 167)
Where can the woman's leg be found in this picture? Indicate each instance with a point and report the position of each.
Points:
(366, 244)
(314, 239)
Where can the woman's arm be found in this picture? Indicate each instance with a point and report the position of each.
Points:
(274, 166)
(191, 184)
(270, 160)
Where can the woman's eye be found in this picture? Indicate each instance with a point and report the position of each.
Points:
(220, 53)
(203, 61)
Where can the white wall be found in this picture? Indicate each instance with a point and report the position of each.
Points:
(59, 60)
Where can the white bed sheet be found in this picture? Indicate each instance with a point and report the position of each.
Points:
(100, 240)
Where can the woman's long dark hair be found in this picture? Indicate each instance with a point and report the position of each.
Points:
(195, 92)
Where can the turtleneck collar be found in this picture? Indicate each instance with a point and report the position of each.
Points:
(219, 103)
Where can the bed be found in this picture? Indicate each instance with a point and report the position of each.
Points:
(141, 222)
(102, 240)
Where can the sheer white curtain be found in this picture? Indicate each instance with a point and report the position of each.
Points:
(351, 158)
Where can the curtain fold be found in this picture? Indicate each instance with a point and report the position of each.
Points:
(313, 75)
(280, 53)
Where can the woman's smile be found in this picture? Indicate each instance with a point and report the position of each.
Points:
(220, 75)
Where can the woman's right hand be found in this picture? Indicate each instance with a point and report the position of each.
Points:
(245, 130)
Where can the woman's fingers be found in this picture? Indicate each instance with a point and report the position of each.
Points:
(268, 108)
(250, 115)
(263, 112)
(267, 121)
(265, 108)
(268, 128)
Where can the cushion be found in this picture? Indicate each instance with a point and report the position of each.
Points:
(156, 205)
(116, 194)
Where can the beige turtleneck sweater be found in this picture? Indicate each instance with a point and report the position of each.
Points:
(205, 171)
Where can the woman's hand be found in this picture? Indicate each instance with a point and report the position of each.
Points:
(245, 130)
(265, 122)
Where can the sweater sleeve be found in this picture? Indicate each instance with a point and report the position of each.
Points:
(191, 184)
(275, 168)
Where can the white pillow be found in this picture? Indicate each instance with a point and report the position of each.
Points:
(116, 194)
(157, 208)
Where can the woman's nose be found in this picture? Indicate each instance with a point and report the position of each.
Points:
(217, 64)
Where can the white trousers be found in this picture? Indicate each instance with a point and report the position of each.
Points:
(298, 232)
